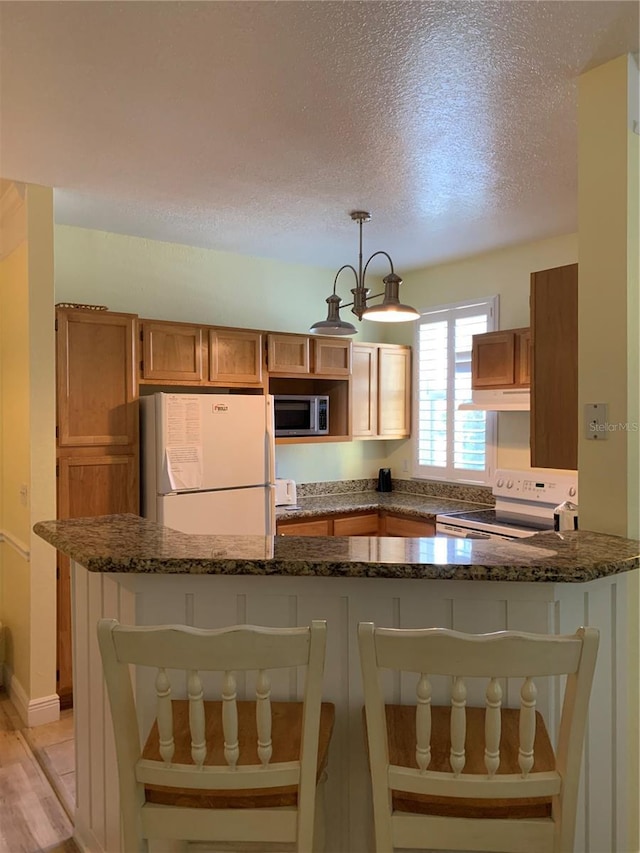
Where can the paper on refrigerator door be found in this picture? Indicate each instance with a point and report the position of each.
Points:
(184, 467)
(183, 439)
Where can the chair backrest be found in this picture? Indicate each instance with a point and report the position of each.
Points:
(194, 651)
(433, 652)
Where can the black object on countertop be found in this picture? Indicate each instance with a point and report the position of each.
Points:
(384, 480)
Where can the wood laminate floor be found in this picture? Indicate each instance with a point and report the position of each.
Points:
(32, 817)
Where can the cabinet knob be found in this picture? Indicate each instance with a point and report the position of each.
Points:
(572, 491)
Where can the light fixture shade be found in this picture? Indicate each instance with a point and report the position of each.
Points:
(333, 325)
(391, 310)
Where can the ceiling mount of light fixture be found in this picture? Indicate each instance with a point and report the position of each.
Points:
(390, 310)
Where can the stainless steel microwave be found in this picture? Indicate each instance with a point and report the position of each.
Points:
(301, 415)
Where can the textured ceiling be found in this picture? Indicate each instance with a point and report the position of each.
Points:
(255, 127)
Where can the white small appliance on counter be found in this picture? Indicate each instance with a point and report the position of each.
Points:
(286, 492)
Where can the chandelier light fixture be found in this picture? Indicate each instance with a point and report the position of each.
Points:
(390, 310)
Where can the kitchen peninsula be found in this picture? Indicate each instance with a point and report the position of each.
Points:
(134, 570)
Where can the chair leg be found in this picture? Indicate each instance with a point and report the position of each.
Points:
(319, 820)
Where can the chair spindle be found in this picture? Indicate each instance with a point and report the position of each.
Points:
(492, 726)
(527, 725)
(263, 717)
(423, 723)
(196, 717)
(164, 716)
(457, 756)
(230, 719)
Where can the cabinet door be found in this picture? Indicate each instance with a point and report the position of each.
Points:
(318, 527)
(523, 357)
(288, 354)
(397, 525)
(235, 357)
(493, 360)
(356, 525)
(172, 352)
(97, 485)
(394, 391)
(331, 357)
(554, 381)
(96, 386)
(364, 391)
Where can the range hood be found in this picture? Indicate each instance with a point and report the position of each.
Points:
(499, 400)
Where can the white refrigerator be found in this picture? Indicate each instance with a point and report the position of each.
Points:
(208, 463)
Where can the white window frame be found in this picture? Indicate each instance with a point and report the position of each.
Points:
(450, 312)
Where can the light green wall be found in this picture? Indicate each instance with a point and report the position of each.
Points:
(507, 273)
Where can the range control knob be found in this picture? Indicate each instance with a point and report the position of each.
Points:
(572, 491)
(500, 483)
(509, 484)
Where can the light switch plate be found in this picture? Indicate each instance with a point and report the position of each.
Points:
(595, 421)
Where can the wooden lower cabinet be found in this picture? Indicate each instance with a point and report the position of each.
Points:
(400, 525)
(88, 485)
(317, 527)
(357, 524)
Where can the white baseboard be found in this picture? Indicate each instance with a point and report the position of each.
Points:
(33, 712)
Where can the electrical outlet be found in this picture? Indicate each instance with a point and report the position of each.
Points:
(595, 421)
(405, 466)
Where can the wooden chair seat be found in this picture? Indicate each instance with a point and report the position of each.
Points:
(401, 733)
(286, 718)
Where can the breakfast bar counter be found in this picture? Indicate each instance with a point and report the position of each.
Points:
(136, 571)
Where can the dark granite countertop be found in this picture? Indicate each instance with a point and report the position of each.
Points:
(128, 543)
(420, 506)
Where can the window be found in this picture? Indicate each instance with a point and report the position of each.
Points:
(451, 444)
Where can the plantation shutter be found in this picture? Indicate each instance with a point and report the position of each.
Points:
(451, 444)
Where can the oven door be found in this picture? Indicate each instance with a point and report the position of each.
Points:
(456, 531)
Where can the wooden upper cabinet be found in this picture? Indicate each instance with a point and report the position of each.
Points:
(331, 356)
(172, 352)
(288, 354)
(492, 360)
(96, 385)
(394, 391)
(501, 359)
(235, 357)
(364, 391)
(554, 381)
(523, 356)
(301, 354)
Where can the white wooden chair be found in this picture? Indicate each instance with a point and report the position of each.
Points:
(219, 771)
(475, 779)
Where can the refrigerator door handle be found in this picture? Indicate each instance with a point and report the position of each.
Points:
(271, 511)
(271, 467)
(271, 441)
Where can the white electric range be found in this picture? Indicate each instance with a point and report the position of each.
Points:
(525, 501)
